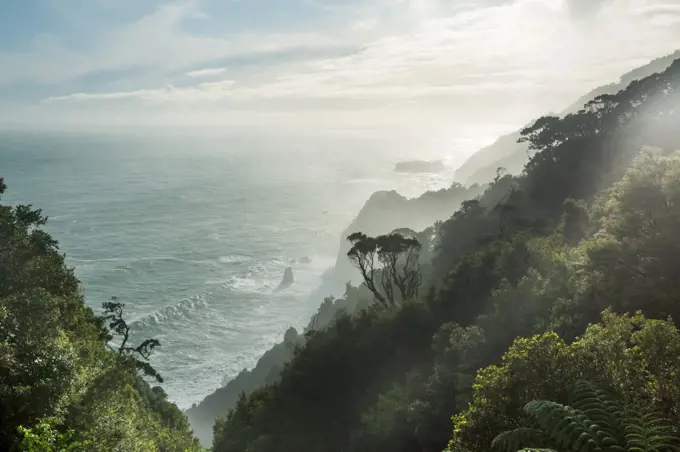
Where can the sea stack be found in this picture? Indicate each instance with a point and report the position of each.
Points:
(287, 280)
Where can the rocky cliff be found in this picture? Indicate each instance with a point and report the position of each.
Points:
(382, 213)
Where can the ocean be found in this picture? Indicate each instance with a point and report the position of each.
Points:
(194, 232)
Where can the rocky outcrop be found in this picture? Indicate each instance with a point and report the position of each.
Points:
(267, 370)
(202, 416)
(287, 281)
(386, 211)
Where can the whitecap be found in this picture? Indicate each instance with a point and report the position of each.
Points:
(249, 284)
(233, 259)
(177, 311)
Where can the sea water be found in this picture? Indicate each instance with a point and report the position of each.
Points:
(193, 233)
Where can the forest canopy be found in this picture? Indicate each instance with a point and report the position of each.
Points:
(542, 314)
(565, 275)
(64, 384)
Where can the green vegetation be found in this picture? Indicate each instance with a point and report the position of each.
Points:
(394, 258)
(63, 385)
(564, 274)
(595, 419)
(507, 153)
(384, 212)
(541, 315)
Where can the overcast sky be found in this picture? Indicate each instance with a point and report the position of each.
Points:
(316, 63)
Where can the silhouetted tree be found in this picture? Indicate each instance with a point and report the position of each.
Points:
(395, 258)
(113, 313)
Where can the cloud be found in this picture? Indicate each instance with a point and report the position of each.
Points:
(416, 57)
(209, 72)
(169, 93)
(580, 8)
(156, 41)
(525, 45)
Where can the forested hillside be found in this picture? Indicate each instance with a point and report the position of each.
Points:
(507, 153)
(64, 385)
(544, 316)
(383, 212)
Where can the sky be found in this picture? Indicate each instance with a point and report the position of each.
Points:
(393, 64)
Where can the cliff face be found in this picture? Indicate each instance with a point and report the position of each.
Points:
(507, 153)
(383, 212)
(386, 211)
(202, 416)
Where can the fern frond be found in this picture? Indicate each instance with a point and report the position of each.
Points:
(569, 428)
(516, 439)
(647, 430)
(603, 410)
(595, 422)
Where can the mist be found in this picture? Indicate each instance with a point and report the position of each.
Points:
(339, 225)
(426, 64)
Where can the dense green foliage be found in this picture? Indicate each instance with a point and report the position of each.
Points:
(507, 153)
(591, 224)
(595, 419)
(61, 387)
(383, 213)
(466, 335)
(636, 359)
(391, 259)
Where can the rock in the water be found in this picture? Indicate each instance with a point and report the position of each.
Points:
(288, 279)
(305, 260)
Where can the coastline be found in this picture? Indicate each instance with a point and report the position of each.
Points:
(382, 213)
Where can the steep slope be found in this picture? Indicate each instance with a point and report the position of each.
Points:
(382, 213)
(507, 153)
(202, 416)
(591, 223)
(386, 211)
(63, 385)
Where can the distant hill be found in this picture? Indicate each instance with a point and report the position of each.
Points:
(507, 153)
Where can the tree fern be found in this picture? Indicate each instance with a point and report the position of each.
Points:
(602, 409)
(646, 430)
(595, 421)
(569, 428)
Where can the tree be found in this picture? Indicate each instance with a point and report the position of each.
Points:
(395, 258)
(60, 387)
(632, 261)
(113, 313)
(575, 221)
(45, 438)
(633, 356)
(374, 381)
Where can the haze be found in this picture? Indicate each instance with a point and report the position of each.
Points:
(317, 64)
